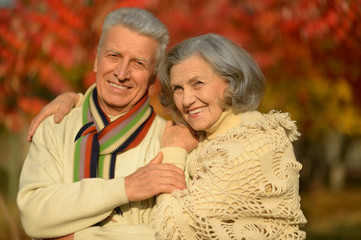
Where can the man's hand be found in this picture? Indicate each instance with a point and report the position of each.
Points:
(60, 107)
(179, 135)
(154, 178)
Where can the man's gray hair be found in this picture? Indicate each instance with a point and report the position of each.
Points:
(141, 21)
(233, 64)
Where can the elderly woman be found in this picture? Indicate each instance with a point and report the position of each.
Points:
(243, 176)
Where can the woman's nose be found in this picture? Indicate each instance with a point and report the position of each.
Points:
(188, 97)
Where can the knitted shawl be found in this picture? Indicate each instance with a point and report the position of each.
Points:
(243, 185)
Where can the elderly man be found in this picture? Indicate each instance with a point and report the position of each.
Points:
(95, 174)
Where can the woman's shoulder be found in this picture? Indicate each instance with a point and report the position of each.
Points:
(274, 122)
(258, 131)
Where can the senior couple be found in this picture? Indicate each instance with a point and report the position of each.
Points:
(113, 169)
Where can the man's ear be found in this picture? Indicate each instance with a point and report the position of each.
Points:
(152, 79)
(95, 67)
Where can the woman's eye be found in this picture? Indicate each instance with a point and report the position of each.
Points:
(196, 83)
(175, 88)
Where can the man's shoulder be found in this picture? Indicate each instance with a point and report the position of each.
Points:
(71, 120)
(75, 113)
(157, 126)
(159, 121)
(49, 129)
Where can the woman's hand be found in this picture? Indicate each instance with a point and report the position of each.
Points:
(179, 135)
(60, 107)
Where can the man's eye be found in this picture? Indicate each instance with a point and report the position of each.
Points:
(139, 65)
(112, 55)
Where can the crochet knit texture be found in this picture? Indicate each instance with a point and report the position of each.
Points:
(243, 185)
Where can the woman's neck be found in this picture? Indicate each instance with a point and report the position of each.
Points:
(227, 121)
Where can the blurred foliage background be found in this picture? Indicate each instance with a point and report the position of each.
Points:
(309, 51)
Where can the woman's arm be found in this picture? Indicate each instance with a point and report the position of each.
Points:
(244, 185)
(177, 141)
(60, 107)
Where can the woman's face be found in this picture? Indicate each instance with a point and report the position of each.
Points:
(197, 92)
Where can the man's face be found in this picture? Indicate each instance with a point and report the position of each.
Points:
(124, 67)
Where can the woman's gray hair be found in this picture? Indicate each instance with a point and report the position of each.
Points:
(141, 21)
(229, 61)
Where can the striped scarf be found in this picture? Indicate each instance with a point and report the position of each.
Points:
(99, 140)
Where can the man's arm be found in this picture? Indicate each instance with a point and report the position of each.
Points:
(52, 208)
(163, 175)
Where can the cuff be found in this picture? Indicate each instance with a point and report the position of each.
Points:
(174, 155)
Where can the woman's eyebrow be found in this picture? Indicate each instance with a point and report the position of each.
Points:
(194, 79)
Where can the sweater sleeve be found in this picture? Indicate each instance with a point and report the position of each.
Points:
(51, 207)
(175, 156)
(244, 186)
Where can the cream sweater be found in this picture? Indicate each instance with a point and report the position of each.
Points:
(244, 182)
(51, 205)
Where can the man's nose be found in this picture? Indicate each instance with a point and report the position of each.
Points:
(122, 70)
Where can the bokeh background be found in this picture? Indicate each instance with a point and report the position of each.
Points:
(309, 51)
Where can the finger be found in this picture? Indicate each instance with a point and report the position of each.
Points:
(168, 125)
(158, 159)
(35, 123)
(58, 117)
(168, 174)
(30, 132)
(168, 189)
(169, 184)
(60, 114)
(171, 168)
(64, 109)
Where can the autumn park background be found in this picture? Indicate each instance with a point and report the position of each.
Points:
(309, 51)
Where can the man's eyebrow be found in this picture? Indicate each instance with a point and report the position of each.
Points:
(134, 58)
(141, 59)
(113, 52)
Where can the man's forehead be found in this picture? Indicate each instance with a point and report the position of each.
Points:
(124, 40)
